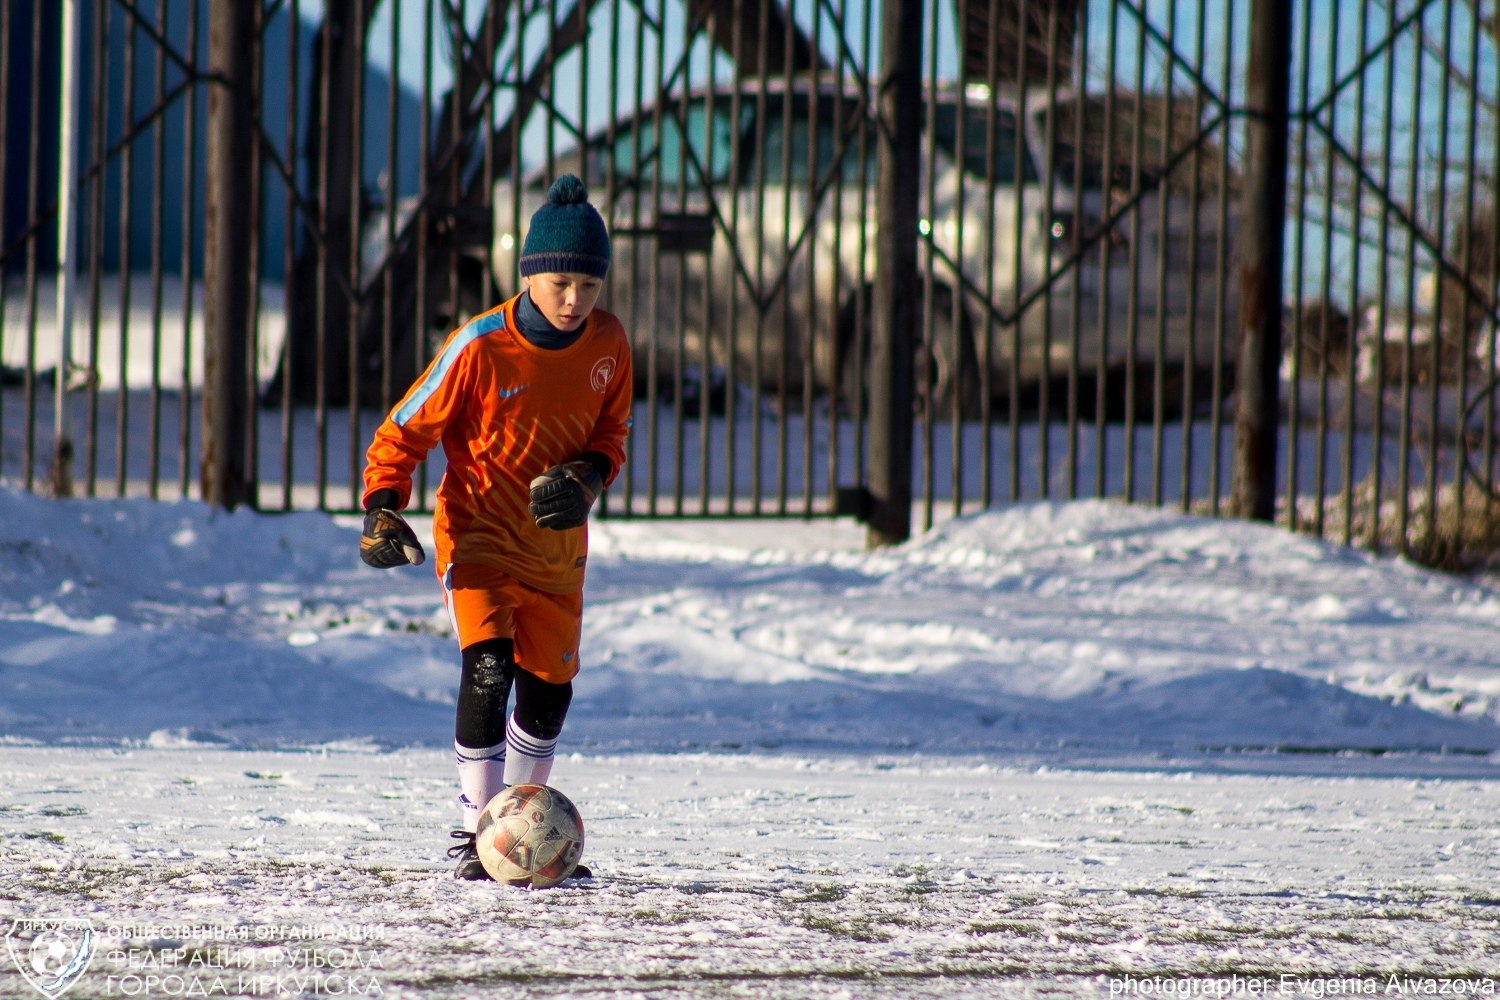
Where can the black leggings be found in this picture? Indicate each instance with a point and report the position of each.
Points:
(489, 672)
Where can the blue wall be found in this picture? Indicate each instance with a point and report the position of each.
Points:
(28, 78)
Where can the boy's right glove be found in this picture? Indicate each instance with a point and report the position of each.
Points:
(388, 540)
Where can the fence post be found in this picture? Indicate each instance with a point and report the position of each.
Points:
(67, 253)
(893, 325)
(1257, 415)
(228, 229)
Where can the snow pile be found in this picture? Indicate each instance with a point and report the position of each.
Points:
(1088, 625)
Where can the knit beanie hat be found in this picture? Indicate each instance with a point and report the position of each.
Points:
(566, 234)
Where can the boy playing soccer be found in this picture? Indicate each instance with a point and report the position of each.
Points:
(531, 402)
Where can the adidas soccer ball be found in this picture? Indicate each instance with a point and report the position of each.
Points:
(529, 835)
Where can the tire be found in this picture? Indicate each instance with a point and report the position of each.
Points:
(946, 364)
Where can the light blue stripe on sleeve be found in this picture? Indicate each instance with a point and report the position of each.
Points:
(471, 331)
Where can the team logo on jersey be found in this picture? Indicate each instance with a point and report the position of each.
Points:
(604, 370)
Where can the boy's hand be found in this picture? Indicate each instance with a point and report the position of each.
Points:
(562, 496)
(388, 540)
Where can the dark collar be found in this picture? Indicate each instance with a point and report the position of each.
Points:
(535, 328)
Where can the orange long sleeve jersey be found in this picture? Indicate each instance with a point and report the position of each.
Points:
(505, 411)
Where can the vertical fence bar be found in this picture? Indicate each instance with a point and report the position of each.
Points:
(839, 126)
(464, 50)
(1461, 441)
(189, 242)
(1018, 272)
(291, 281)
(1081, 101)
(1351, 385)
(127, 186)
(1163, 248)
(67, 251)
(33, 262)
(732, 320)
(1221, 269)
(1263, 214)
(789, 111)
(679, 319)
(227, 258)
(251, 384)
(810, 316)
(653, 269)
(1492, 353)
(6, 139)
(516, 166)
(423, 224)
(1299, 269)
(987, 342)
(612, 184)
(894, 320)
(123, 248)
(1049, 193)
(706, 354)
(646, 364)
(1408, 338)
(492, 26)
(392, 196)
(925, 347)
(1195, 208)
(757, 359)
(860, 350)
(99, 109)
(1458, 328)
(158, 227)
(1133, 262)
(1325, 298)
(321, 331)
(356, 193)
(955, 376)
(1382, 275)
(1106, 246)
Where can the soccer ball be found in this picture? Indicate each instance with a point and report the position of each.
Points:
(529, 835)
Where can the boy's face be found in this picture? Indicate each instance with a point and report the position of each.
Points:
(565, 298)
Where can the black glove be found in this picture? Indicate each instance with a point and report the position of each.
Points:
(562, 496)
(388, 540)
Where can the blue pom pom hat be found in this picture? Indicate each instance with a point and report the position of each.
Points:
(567, 234)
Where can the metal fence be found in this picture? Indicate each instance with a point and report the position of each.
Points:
(1080, 176)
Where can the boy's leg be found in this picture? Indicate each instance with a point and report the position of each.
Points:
(479, 729)
(534, 727)
(481, 605)
(547, 633)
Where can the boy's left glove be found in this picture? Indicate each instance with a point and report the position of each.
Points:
(562, 496)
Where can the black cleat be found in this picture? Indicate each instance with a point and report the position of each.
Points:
(469, 866)
(581, 872)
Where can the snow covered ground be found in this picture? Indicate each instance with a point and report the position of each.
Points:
(1061, 748)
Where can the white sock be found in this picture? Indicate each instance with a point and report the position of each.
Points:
(529, 760)
(481, 776)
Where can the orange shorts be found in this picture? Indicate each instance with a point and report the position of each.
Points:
(485, 603)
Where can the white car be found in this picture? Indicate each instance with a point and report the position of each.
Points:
(743, 246)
